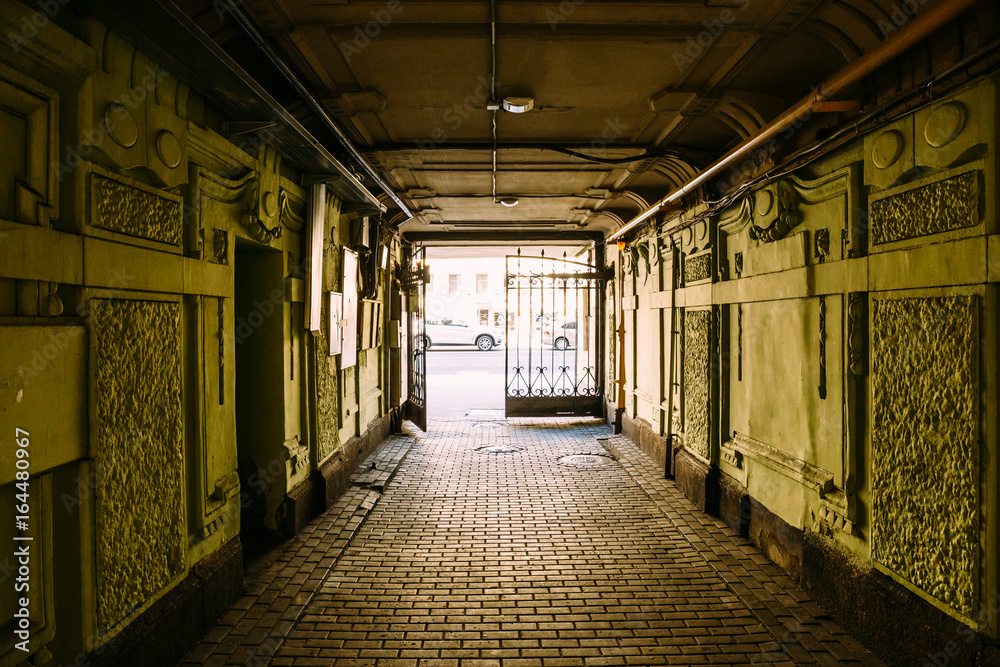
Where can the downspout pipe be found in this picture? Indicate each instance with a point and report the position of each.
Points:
(909, 35)
(317, 108)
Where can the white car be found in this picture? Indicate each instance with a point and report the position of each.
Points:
(447, 331)
(565, 335)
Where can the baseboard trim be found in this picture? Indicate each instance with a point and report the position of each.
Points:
(657, 447)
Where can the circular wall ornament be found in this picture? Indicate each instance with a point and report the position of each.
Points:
(701, 230)
(121, 125)
(887, 148)
(270, 204)
(168, 148)
(945, 124)
(765, 200)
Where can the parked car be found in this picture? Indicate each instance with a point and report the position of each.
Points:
(446, 331)
(565, 335)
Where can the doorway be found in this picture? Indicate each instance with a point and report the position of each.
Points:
(259, 316)
(470, 323)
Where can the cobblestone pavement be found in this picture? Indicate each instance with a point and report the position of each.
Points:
(510, 557)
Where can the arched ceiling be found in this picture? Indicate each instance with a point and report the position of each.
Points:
(654, 90)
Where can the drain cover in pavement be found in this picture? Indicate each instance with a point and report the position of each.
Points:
(498, 449)
(585, 460)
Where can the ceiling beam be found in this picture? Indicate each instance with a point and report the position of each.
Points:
(629, 32)
(553, 237)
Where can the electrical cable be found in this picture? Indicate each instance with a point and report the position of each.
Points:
(493, 88)
(293, 80)
(572, 152)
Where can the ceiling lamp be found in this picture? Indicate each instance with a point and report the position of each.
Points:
(509, 202)
(518, 104)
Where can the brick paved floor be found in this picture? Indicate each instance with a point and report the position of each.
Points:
(514, 559)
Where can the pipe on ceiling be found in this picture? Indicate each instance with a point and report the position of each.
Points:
(918, 29)
(317, 108)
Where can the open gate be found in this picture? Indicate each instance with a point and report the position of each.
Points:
(554, 356)
(415, 284)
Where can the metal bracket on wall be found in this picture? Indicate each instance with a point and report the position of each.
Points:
(313, 179)
(822, 347)
(222, 350)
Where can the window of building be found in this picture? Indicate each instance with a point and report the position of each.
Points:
(452, 283)
(484, 317)
(482, 283)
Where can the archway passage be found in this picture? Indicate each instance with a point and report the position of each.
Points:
(786, 209)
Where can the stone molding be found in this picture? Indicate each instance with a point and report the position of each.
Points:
(806, 474)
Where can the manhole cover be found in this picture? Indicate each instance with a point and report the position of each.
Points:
(498, 449)
(585, 460)
(487, 425)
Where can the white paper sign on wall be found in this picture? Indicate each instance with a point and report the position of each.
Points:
(349, 351)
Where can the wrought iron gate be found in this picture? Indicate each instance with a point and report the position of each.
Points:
(415, 283)
(554, 358)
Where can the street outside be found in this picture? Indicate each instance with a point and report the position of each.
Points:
(462, 378)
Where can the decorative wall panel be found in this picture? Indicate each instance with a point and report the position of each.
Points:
(949, 204)
(698, 267)
(327, 407)
(697, 334)
(139, 459)
(123, 208)
(925, 444)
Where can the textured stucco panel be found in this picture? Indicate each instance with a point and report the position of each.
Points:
(939, 207)
(140, 494)
(925, 447)
(327, 405)
(698, 268)
(127, 210)
(697, 329)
